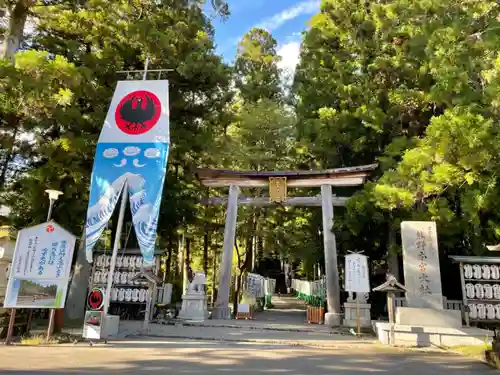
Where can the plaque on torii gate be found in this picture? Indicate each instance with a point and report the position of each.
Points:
(278, 183)
(277, 189)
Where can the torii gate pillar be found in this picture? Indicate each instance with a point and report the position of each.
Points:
(332, 317)
(221, 308)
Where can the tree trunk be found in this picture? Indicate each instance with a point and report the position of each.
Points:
(8, 159)
(214, 276)
(77, 290)
(206, 242)
(18, 14)
(236, 295)
(169, 257)
(183, 260)
(206, 235)
(392, 256)
(188, 252)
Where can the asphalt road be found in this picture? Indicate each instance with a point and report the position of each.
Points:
(151, 356)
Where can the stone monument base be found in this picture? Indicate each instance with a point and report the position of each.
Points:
(406, 335)
(194, 307)
(350, 316)
(333, 320)
(416, 316)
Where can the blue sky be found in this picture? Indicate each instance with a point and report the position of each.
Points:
(285, 19)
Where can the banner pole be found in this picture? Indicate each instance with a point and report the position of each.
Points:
(116, 245)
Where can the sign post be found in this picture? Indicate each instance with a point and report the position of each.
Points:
(53, 196)
(357, 279)
(40, 269)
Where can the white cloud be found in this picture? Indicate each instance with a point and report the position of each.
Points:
(289, 50)
(290, 53)
(279, 19)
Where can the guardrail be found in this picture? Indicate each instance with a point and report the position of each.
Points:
(448, 304)
(312, 292)
(261, 288)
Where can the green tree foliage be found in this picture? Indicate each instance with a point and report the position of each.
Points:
(413, 86)
(256, 67)
(58, 92)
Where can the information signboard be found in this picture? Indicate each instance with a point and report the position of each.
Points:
(41, 267)
(357, 278)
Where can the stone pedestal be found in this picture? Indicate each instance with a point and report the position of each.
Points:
(412, 316)
(405, 335)
(194, 307)
(332, 319)
(350, 318)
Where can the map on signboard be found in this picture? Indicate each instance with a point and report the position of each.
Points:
(41, 267)
(357, 277)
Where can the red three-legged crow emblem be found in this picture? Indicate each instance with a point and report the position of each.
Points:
(138, 112)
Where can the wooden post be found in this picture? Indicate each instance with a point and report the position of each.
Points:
(332, 317)
(52, 317)
(222, 310)
(358, 319)
(390, 311)
(10, 329)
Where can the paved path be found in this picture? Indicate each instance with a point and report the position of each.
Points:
(314, 338)
(294, 348)
(287, 311)
(171, 356)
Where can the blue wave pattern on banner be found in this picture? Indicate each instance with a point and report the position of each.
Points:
(131, 163)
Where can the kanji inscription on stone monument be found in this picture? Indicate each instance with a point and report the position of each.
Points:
(421, 264)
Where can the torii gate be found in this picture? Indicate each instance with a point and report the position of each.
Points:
(325, 179)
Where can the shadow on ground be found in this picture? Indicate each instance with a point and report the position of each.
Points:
(155, 357)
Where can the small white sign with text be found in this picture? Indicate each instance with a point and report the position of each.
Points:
(357, 276)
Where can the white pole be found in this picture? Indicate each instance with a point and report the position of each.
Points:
(146, 64)
(53, 195)
(116, 244)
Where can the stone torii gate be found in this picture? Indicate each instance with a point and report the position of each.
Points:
(324, 179)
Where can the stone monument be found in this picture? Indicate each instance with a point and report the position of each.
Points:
(425, 321)
(423, 279)
(421, 264)
(194, 301)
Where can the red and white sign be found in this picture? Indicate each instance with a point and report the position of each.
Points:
(95, 299)
(138, 112)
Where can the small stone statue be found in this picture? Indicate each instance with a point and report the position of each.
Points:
(361, 297)
(196, 286)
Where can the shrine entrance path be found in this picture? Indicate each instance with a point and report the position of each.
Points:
(288, 311)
